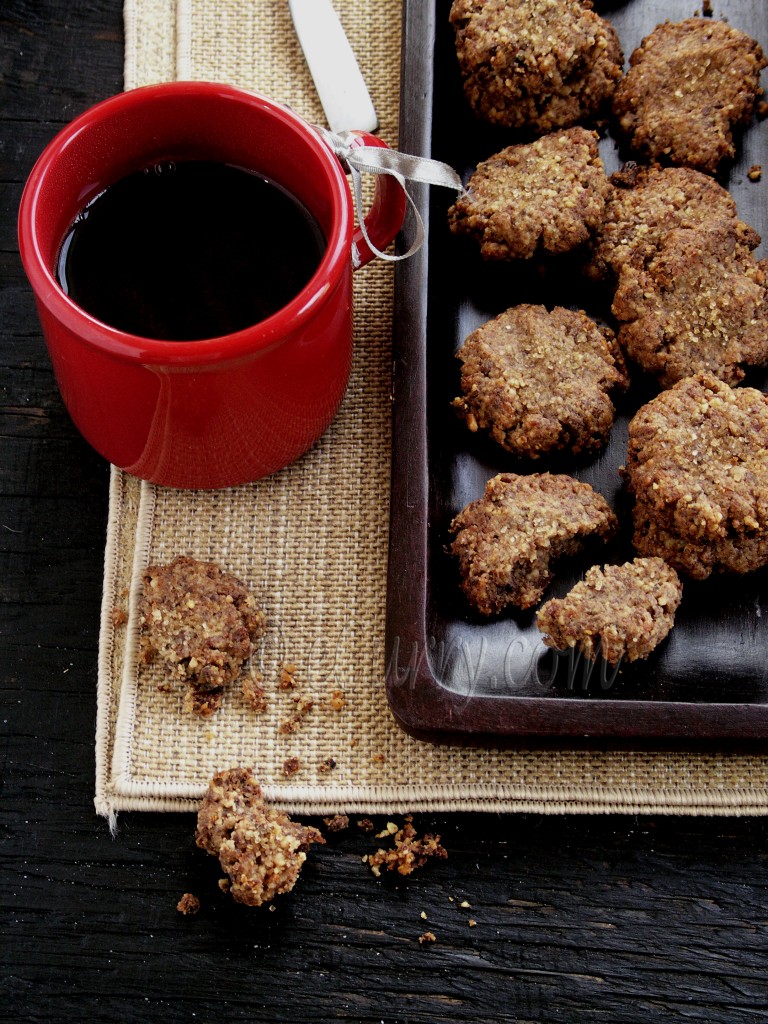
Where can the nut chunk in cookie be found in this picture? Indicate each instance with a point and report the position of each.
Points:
(538, 64)
(689, 84)
(698, 304)
(260, 849)
(202, 623)
(541, 381)
(506, 541)
(544, 196)
(619, 612)
(645, 203)
(697, 465)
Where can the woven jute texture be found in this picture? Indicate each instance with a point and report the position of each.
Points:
(311, 543)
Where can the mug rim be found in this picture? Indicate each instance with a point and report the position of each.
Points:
(263, 334)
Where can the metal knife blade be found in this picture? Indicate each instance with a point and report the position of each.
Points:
(339, 83)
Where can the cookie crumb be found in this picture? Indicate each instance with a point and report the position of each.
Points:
(409, 851)
(327, 765)
(471, 922)
(706, 9)
(119, 617)
(427, 937)
(287, 679)
(423, 915)
(336, 823)
(303, 706)
(337, 700)
(254, 693)
(365, 824)
(291, 766)
(755, 172)
(188, 904)
(465, 904)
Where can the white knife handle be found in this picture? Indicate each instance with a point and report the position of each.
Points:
(337, 77)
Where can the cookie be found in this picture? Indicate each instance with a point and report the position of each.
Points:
(201, 623)
(697, 466)
(544, 196)
(507, 541)
(689, 84)
(540, 381)
(619, 612)
(539, 64)
(699, 303)
(644, 204)
(261, 850)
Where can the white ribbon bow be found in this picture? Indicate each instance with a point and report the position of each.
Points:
(377, 160)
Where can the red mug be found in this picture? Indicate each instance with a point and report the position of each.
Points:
(220, 411)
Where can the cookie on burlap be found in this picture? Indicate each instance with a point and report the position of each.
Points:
(539, 64)
(699, 303)
(545, 195)
(689, 84)
(260, 849)
(506, 541)
(644, 204)
(697, 465)
(619, 612)
(202, 623)
(541, 381)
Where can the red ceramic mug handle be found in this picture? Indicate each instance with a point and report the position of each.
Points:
(385, 218)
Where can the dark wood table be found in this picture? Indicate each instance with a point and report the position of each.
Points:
(578, 919)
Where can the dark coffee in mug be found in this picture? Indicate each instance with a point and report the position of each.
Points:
(182, 251)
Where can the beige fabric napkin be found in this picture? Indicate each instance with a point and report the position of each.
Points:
(312, 543)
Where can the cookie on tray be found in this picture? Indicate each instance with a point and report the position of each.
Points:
(260, 849)
(699, 303)
(539, 64)
(618, 612)
(697, 466)
(202, 623)
(690, 83)
(548, 195)
(506, 541)
(541, 381)
(645, 203)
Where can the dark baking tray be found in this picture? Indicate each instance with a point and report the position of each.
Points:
(448, 670)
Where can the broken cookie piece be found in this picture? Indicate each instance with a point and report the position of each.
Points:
(507, 540)
(544, 196)
(202, 623)
(619, 612)
(260, 849)
(690, 83)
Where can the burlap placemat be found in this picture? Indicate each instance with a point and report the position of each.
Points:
(311, 542)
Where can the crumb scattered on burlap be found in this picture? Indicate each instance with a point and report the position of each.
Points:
(260, 849)
(689, 84)
(287, 679)
(548, 195)
(327, 765)
(506, 541)
(302, 707)
(188, 904)
(697, 466)
(254, 692)
(408, 852)
(119, 617)
(541, 64)
(541, 381)
(619, 612)
(202, 623)
(699, 303)
(337, 823)
(337, 701)
(291, 766)
(645, 203)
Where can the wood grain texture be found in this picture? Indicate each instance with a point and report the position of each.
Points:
(578, 919)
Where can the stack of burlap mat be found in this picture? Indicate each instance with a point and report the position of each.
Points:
(311, 542)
